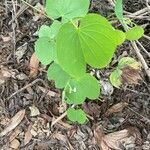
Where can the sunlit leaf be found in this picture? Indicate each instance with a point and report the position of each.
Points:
(67, 9)
(135, 33)
(45, 50)
(56, 73)
(76, 115)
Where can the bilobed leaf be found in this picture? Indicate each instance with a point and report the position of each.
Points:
(93, 42)
(134, 33)
(115, 78)
(45, 50)
(76, 115)
(79, 90)
(130, 62)
(51, 32)
(67, 9)
(56, 73)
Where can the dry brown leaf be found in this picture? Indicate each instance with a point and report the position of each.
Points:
(28, 136)
(60, 137)
(116, 108)
(49, 93)
(14, 134)
(117, 140)
(34, 65)
(15, 144)
(14, 122)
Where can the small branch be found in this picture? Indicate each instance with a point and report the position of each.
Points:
(147, 37)
(139, 55)
(143, 48)
(25, 87)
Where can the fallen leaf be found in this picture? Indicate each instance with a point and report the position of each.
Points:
(15, 144)
(34, 65)
(49, 93)
(116, 108)
(34, 111)
(28, 136)
(117, 140)
(130, 75)
(14, 135)
(14, 122)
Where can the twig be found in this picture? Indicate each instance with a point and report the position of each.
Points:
(140, 12)
(143, 48)
(148, 6)
(147, 37)
(25, 87)
(139, 55)
(36, 9)
(146, 119)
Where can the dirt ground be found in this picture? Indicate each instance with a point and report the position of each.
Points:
(39, 102)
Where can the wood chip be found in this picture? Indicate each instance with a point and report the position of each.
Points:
(14, 122)
(34, 111)
(15, 144)
(116, 108)
(49, 93)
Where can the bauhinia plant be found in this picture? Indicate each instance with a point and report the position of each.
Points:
(69, 45)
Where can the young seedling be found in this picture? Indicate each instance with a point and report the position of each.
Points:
(69, 45)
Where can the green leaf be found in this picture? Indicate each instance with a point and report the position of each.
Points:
(130, 62)
(119, 12)
(51, 32)
(76, 115)
(93, 42)
(67, 9)
(78, 90)
(120, 37)
(45, 50)
(115, 78)
(56, 73)
(135, 33)
(69, 52)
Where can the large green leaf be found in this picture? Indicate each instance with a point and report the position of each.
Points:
(78, 90)
(98, 40)
(45, 49)
(51, 32)
(69, 52)
(67, 9)
(94, 41)
(76, 115)
(56, 73)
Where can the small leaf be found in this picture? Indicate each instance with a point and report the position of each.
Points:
(130, 62)
(45, 50)
(51, 32)
(67, 9)
(78, 90)
(56, 73)
(34, 111)
(115, 78)
(135, 33)
(119, 10)
(76, 115)
(45, 31)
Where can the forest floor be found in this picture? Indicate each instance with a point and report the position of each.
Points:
(30, 104)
